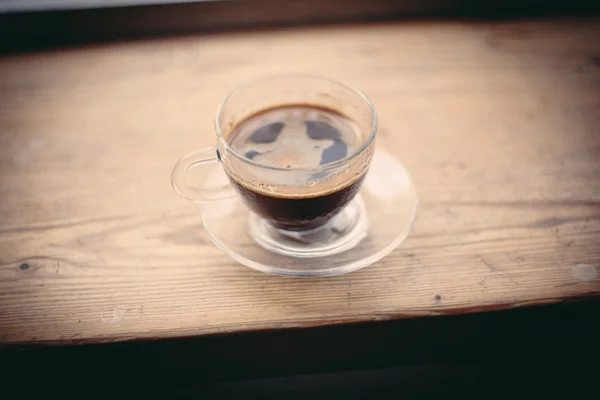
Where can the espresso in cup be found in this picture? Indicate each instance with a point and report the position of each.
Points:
(298, 137)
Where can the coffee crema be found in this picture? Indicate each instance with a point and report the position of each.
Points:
(298, 137)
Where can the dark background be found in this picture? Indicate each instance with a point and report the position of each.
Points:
(545, 351)
(34, 24)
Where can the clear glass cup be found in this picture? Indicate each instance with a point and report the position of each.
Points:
(287, 211)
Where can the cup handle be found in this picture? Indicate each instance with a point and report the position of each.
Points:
(200, 160)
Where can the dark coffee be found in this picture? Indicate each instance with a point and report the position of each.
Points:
(299, 213)
(297, 137)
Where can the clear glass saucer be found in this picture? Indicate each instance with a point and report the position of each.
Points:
(369, 228)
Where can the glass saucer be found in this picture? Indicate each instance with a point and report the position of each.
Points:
(369, 228)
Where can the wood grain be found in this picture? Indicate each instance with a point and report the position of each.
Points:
(499, 124)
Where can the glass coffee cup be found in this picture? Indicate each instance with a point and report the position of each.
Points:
(295, 149)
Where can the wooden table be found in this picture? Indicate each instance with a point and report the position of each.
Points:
(498, 123)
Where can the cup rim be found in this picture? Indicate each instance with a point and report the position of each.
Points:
(340, 162)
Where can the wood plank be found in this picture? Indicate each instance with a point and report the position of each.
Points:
(497, 122)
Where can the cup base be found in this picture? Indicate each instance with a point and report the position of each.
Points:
(341, 233)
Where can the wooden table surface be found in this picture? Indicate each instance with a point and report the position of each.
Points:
(498, 123)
